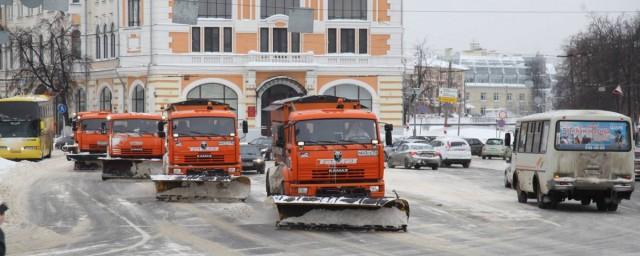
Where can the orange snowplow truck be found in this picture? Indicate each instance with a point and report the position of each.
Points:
(135, 149)
(329, 156)
(203, 160)
(91, 140)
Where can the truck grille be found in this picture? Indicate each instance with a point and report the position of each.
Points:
(352, 173)
(214, 159)
(136, 152)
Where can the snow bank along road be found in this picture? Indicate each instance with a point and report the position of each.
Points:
(454, 211)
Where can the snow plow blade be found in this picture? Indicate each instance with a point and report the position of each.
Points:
(339, 213)
(124, 168)
(201, 187)
(86, 161)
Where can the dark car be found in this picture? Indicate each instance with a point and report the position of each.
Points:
(476, 146)
(62, 141)
(252, 158)
(264, 146)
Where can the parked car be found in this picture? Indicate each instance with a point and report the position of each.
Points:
(414, 155)
(62, 141)
(495, 148)
(252, 158)
(453, 151)
(264, 145)
(476, 146)
(397, 143)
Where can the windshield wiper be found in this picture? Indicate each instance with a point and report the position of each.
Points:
(354, 142)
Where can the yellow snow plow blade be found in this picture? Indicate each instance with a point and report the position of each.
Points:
(381, 214)
(196, 187)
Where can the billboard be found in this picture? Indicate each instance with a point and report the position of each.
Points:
(593, 136)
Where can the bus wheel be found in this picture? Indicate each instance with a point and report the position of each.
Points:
(522, 196)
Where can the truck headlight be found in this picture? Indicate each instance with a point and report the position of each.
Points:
(177, 171)
(374, 188)
(303, 190)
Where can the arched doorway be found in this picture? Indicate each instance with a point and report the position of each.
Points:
(272, 90)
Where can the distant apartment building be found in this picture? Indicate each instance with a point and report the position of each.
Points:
(496, 82)
(240, 52)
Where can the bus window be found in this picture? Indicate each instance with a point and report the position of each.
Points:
(530, 134)
(545, 137)
(523, 137)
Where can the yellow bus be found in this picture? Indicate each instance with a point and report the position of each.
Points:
(26, 127)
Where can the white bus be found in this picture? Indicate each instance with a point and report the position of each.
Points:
(584, 155)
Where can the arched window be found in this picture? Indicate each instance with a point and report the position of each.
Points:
(76, 44)
(97, 42)
(105, 99)
(81, 100)
(113, 41)
(137, 99)
(105, 42)
(353, 92)
(215, 92)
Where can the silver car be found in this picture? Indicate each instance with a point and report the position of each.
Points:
(414, 155)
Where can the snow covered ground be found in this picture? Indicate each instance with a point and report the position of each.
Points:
(5, 165)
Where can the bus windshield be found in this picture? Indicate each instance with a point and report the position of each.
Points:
(336, 131)
(18, 110)
(92, 124)
(19, 129)
(138, 126)
(593, 136)
(204, 126)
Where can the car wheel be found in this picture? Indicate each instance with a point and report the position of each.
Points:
(407, 164)
(417, 166)
(390, 163)
(434, 167)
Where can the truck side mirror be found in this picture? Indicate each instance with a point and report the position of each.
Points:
(103, 128)
(507, 139)
(160, 131)
(388, 140)
(280, 137)
(162, 134)
(74, 125)
(245, 126)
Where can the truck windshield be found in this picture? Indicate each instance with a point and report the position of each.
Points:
(18, 110)
(336, 131)
(19, 129)
(92, 124)
(138, 126)
(204, 126)
(593, 136)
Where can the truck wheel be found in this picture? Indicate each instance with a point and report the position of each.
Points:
(601, 205)
(484, 157)
(613, 207)
(434, 167)
(466, 164)
(267, 186)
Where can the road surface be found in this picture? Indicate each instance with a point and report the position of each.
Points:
(454, 211)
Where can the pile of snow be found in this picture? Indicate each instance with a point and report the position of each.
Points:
(6, 165)
(352, 217)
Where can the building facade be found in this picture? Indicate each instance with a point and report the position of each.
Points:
(240, 52)
(496, 82)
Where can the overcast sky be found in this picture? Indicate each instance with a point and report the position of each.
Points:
(505, 32)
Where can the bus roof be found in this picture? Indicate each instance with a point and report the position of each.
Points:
(26, 98)
(585, 114)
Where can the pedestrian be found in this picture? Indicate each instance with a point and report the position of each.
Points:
(3, 209)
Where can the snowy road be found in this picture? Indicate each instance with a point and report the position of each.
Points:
(454, 211)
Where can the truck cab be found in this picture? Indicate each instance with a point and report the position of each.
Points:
(134, 135)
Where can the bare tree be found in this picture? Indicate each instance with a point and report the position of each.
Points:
(598, 60)
(416, 83)
(48, 56)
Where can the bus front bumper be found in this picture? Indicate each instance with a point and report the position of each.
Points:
(22, 154)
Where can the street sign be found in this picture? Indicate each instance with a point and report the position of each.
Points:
(448, 95)
(62, 108)
(501, 124)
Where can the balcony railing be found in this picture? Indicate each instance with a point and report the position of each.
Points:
(261, 58)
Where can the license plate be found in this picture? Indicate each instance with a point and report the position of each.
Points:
(204, 156)
(136, 149)
(338, 170)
